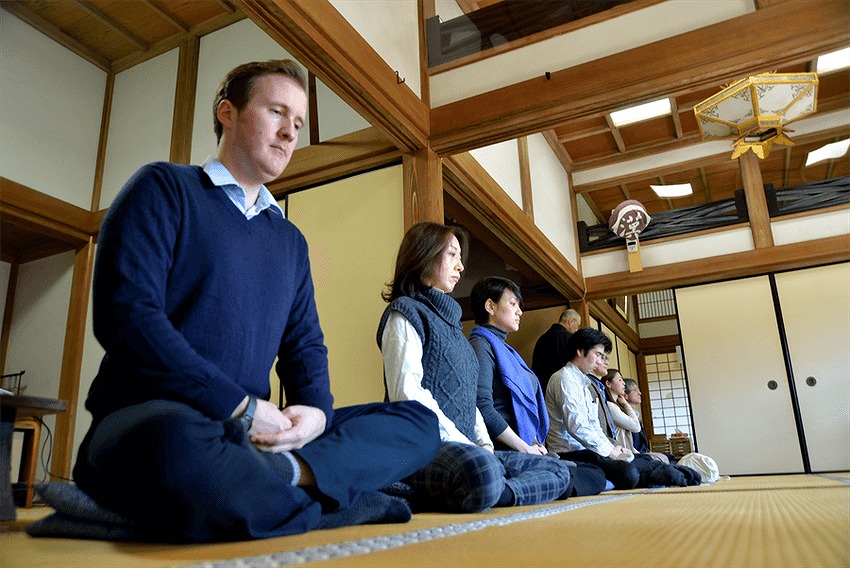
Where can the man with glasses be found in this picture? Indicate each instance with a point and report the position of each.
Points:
(575, 432)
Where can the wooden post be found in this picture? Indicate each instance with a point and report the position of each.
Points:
(756, 200)
(423, 188)
(72, 358)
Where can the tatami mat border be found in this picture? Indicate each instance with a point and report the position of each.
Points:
(386, 542)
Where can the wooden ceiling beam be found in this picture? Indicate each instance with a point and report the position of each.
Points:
(559, 150)
(684, 63)
(843, 130)
(318, 36)
(112, 24)
(722, 267)
(166, 16)
(473, 188)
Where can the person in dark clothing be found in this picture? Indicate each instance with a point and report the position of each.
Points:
(200, 283)
(550, 351)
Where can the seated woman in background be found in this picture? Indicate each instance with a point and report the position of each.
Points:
(427, 358)
(509, 395)
(633, 397)
(624, 416)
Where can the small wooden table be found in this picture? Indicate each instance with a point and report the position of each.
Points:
(12, 408)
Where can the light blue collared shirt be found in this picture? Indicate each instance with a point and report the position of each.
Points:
(222, 178)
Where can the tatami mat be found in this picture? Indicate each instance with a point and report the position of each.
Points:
(795, 520)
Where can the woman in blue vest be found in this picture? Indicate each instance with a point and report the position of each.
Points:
(427, 358)
(509, 396)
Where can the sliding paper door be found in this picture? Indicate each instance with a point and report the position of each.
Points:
(733, 356)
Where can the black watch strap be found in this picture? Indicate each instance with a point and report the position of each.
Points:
(247, 417)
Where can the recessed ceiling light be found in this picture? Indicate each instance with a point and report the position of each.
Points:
(833, 61)
(641, 112)
(828, 152)
(677, 190)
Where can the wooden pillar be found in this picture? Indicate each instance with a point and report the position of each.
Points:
(756, 200)
(7, 315)
(423, 188)
(525, 177)
(184, 101)
(583, 309)
(72, 357)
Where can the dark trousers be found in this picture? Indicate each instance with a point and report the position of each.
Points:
(622, 474)
(182, 475)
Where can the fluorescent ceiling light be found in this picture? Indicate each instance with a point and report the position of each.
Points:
(828, 152)
(833, 61)
(678, 190)
(641, 112)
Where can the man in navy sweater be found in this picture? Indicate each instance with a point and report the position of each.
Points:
(200, 282)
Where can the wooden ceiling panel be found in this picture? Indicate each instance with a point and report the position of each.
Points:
(648, 132)
(591, 147)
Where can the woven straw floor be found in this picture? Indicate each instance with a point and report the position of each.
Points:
(775, 521)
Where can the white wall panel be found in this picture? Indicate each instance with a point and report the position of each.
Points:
(392, 29)
(550, 188)
(50, 113)
(335, 116)
(502, 163)
(140, 123)
(678, 250)
(654, 23)
(811, 227)
(746, 427)
(37, 336)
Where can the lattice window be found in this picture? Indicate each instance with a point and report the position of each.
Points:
(656, 305)
(668, 394)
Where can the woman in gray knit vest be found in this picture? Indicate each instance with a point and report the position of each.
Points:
(427, 358)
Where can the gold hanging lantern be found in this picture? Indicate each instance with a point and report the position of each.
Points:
(754, 111)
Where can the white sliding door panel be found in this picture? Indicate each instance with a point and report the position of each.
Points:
(732, 350)
(816, 312)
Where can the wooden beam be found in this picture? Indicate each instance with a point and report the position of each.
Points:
(316, 34)
(756, 200)
(184, 100)
(337, 158)
(661, 344)
(723, 267)
(43, 213)
(681, 64)
(8, 312)
(100, 160)
(615, 132)
(166, 16)
(423, 188)
(559, 150)
(113, 25)
(478, 193)
(612, 318)
(525, 177)
(72, 359)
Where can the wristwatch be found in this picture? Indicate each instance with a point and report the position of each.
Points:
(247, 417)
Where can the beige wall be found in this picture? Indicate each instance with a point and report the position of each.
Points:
(353, 228)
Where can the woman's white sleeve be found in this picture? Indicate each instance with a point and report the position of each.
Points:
(628, 421)
(401, 350)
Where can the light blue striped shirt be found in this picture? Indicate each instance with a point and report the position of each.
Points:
(222, 178)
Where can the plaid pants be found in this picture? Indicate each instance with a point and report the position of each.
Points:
(465, 479)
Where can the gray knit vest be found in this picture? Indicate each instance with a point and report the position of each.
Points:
(450, 369)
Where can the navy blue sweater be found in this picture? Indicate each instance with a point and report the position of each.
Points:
(192, 301)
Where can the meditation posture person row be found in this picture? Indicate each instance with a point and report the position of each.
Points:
(201, 283)
(579, 416)
(428, 359)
